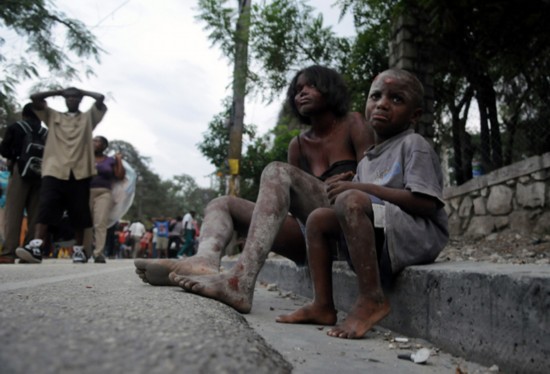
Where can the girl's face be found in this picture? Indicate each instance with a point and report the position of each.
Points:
(98, 145)
(391, 107)
(308, 99)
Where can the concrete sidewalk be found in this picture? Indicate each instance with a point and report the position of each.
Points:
(488, 313)
(59, 317)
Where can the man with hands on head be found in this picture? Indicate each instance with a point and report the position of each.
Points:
(67, 168)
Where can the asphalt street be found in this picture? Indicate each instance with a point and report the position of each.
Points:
(60, 317)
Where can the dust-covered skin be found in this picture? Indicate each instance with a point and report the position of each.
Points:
(279, 183)
(353, 210)
(352, 216)
(394, 104)
(223, 215)
(363, 316)
(318, 97)
(155, 272)
(311, 313)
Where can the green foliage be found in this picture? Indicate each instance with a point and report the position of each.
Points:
(219, 20)
(503, 51)
(36, 23)
(496, 53)
(284, 37)
(215, 146)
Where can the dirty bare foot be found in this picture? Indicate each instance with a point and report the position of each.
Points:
(230, 289)
(364, 315)
(311, 313)
(156, 272)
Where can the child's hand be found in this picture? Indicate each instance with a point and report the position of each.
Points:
(336, 188)
(347, 176)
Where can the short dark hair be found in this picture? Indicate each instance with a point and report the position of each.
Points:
(104, 140)
(28, 112)
(329, 83)
(416, 87)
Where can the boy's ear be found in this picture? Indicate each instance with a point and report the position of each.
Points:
(415, 117)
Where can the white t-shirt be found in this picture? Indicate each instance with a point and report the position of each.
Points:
(137, 229)
(187, 222)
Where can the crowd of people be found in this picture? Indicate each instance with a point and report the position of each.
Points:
(67, 197)
(165, 238)
(363, 187)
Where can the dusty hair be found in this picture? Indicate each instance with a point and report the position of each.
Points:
(414, 84)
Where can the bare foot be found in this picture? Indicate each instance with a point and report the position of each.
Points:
(364, 315)
(230, 289)
(311, 313)
(156, 272)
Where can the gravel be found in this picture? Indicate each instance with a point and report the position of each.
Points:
(501, 248)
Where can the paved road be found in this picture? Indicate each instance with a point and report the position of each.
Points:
(59, 317)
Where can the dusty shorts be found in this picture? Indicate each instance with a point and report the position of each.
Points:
(58, 196)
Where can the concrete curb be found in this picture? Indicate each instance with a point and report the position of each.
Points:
(488, 313)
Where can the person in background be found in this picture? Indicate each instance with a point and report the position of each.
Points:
(154, 241)
(163, 228)
(22, 194)
(145, 244)
(188, 248)
(67, 167)
(137, 229)
(175, 235)
(109, 169)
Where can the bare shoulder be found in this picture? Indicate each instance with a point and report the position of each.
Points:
(356, 121)
(361, 134)
(293, 151)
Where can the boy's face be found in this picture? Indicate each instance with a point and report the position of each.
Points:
(391, 106)
(308, 99)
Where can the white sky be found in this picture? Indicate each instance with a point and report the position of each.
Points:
(163, 80)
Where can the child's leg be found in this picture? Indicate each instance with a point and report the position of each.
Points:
(283, 189)
(354, 211)
(322, 229)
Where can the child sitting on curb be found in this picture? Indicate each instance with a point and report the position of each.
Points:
(389, 217)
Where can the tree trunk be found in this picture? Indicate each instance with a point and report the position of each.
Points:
(240, 71)
(485, 145)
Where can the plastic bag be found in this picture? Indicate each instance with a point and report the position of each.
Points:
(123, 192)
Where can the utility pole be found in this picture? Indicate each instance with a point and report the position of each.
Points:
(240, 71)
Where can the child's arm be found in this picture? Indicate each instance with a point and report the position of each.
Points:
(413, 203)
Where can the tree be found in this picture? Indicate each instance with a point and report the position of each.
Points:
(36, 22)
(215, 145)
(501, 49)
(284, 37)
(236, 119)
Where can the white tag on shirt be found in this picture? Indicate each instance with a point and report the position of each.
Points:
(379, 212)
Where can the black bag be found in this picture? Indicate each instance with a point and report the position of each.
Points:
(129, 241)
(32, 150)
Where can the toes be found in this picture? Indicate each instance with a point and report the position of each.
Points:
(174, 277)
(140, 263)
